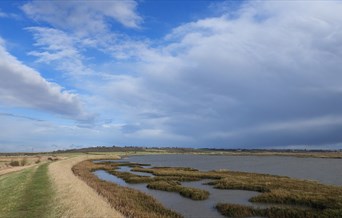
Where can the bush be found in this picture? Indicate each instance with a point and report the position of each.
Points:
(14, 163)
(23, 162)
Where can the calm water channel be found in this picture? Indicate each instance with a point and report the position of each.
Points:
(328, 171)
(185, 206)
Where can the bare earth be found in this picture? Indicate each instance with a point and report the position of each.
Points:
(73, 196)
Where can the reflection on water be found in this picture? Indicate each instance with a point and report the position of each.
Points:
(102, 174)
(185, 206)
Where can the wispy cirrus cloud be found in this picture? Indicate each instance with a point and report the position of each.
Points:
(8, 15)
(73, 15)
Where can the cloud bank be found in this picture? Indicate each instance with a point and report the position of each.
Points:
(22, 86)
(265, 74)
(269, 74)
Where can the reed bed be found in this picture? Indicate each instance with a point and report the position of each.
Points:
(296, 198)
(173, 186)
(131, 203)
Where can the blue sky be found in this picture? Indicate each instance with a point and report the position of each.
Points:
(225, 74)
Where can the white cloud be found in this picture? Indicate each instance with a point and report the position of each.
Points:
(251, 78)
(21, 85)
(56, 44)
(228, 73)
(59, 49)
(86, 16)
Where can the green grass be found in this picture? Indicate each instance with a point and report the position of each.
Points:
(12, 187)
(26, 194)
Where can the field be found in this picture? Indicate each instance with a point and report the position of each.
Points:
(62, 185)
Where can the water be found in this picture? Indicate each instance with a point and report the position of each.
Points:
(129, 169)
(102, 174)
(187, 207)
(326, 171)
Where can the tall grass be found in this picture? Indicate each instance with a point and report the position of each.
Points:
(129, 202)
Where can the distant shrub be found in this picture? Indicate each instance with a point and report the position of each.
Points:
(14, 163)
(53, 158)
(23, 162)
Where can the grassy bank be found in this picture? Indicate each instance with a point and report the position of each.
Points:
(131, 203)
(26, 194)
(296, 198)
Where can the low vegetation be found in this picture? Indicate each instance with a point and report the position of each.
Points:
(284, 190)
(173, 186)
(28, 193)
(7, 162)
(131, 203)
(131, 150)
(233, 210)
(165, 178)
(12, 187)
(37, 198)
(292, 197)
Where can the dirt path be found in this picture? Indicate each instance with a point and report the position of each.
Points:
(73, 196)
(14, 169)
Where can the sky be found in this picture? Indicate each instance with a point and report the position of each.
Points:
(190, 73)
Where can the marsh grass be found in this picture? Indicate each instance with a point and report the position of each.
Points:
(234, 210)
(166, 178)
(299, 198)
(131, 178)
(173, 186)
(284, 190)
(320, 200)
(130, 202)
